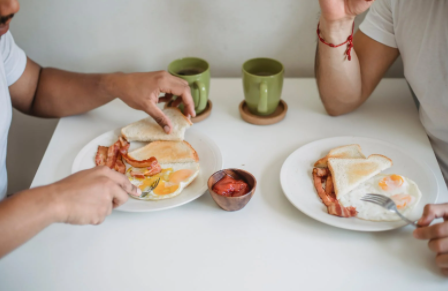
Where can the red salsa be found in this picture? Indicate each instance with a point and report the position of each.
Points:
(230, 187)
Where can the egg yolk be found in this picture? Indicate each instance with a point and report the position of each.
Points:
(401, 200)
(165, 188)
(169, 180)
(180, 176)
(390, 182)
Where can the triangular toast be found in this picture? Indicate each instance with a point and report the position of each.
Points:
(349, 173)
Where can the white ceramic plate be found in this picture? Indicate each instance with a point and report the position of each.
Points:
(210, 161)
(297, 181)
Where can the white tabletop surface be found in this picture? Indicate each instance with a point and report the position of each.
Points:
(269, 245)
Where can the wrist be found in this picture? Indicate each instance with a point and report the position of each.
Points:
(55, 203)
(110, 84)
(336, 31)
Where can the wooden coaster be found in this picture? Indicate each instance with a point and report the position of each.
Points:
(275, 117)
(203, 115)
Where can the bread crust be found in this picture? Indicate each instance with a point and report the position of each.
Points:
(195, 154)
(186, 118)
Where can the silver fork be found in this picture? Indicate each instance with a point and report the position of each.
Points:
(149, 189)
(387, 203)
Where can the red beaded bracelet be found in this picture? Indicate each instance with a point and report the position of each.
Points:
(349, 41)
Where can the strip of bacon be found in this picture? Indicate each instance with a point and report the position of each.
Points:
(326, 199)
(101, 156)
(140, 164)
(333, 205)
(112, 153)
(321, 172)
(119, 166)
(124, 146)
(329, 187)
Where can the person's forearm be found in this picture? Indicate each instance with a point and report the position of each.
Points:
(60, 93)
(23, 215)
(338, 80)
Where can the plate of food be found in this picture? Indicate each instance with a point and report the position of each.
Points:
(181, 161)
(326, 179)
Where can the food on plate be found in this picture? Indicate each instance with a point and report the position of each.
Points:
(147, 129)
(230, 187)
(327, 195)
(167, 157)
(112, 156)
(166, 152)
(352, 151)
(402, 190)
(348, 173)
(174, 177)
(179, 164)
(345, 175)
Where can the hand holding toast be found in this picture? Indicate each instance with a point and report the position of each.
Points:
(436, 233)
(141, 91)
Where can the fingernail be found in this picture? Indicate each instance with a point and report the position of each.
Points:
(139, 192)
(166, 128)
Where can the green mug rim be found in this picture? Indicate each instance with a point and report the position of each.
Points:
(269, 59)
(187, 58)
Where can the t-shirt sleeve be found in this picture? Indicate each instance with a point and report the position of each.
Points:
(379, 24)
(14, 58)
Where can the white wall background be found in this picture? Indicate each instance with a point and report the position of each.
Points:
(145, 35)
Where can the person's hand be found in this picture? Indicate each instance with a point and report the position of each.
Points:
(87, 197)
(437, 234)
(337, 10)
(141, 91)
(337, 18)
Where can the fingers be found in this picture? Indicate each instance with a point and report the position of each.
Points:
(166, 98)
(119, 197)
(439, 245)
(433, 211)
(442, 260)
(176, 102)
(158, 115)
(171, 84)
(439, 230)
(124, 183)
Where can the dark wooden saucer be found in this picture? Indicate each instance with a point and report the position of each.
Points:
(275, 117)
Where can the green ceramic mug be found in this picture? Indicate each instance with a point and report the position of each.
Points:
(197, 73)
(262, 82)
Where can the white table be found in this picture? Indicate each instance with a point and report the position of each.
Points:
(269, 245)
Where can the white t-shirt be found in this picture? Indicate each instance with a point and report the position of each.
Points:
(419, 29)
(11, 68)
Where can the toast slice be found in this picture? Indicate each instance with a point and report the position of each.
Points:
(352, 151)
(147, 129)
(166, 152)
(349, 173)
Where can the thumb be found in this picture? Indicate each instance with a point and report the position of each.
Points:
(160, 117)
(433, 211)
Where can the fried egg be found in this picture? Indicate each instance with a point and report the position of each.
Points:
(402, 190)
(173, 179)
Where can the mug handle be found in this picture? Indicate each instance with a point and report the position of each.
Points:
(202, 100)
(263, 104)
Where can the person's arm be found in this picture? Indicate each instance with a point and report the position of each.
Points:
(344, 85)
(86, 197)
(49, 92)
(437, 234)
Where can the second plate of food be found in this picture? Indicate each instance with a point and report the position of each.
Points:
(297, 180)
(210, 161)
